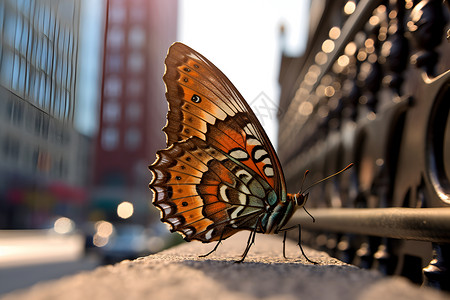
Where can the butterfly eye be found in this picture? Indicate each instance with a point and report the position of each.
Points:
(300, 199)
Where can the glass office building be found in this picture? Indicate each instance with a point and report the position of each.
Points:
(40, 151)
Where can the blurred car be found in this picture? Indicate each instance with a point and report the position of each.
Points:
(127, 241)
(89, 230)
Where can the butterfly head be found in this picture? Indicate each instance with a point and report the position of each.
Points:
(300, 199)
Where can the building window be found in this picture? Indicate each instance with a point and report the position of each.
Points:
(136, 62)
(9, 28)
(136, 37)
(114, 62)
(6, 67)
(110, 138)
(116, 37)
(15, 111)
(133, 112)
(117, 13)
(132, 138)
(113, 86)
(111, 112)
(18, 75)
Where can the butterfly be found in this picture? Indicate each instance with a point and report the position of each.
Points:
(219, 173)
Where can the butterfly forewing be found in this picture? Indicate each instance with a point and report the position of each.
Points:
(199, 95)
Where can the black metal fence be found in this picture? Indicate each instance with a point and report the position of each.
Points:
(373, 88)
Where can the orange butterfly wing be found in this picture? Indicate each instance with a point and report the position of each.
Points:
(220, 167)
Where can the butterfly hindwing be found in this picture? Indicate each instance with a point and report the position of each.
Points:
(204, 194)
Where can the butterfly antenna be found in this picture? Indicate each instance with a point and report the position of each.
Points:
(303, 181)
(328, 177)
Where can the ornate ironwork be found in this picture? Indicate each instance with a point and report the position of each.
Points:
(379, 99)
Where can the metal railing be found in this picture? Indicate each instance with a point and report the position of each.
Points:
(421, 224)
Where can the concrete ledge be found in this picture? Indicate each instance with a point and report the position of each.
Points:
(178, 273)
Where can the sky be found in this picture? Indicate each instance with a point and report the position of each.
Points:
(242, 38)
(89, 66)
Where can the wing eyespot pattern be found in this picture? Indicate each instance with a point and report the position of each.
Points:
(196, 98)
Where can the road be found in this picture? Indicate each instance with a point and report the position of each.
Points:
(178, 273)
(19, 277)
(31, 256)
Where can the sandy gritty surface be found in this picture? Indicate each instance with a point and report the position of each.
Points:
(179, 273)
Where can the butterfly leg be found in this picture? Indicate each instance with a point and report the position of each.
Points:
(250, 242)
(215, 248)
(300, 245)
(284, 239)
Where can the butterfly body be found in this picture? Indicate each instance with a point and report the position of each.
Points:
(219, 173)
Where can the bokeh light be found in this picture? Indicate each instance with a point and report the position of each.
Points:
(63, 225)
(125, 210)
(349, 7)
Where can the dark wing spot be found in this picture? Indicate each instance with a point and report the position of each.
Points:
(169, 192)
(243, 176)
(184, 203)
(196, 98)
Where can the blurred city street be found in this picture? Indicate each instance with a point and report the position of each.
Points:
(90, 97)
(30, 256)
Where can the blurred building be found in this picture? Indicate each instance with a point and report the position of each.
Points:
(133, 107)
(43, 160)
